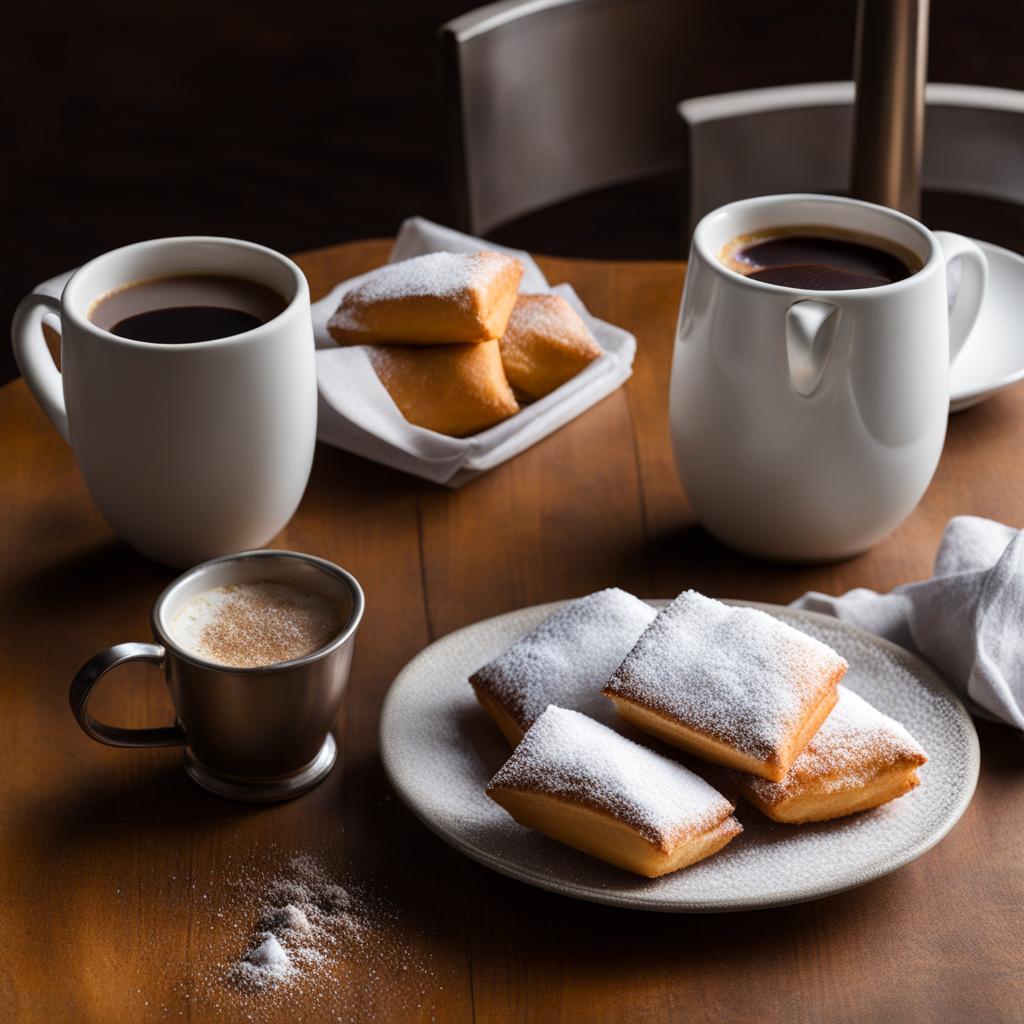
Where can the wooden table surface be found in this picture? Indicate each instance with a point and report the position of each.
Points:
(124, 885)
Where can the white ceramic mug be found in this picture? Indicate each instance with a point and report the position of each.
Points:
(190, 451)
(806, 425)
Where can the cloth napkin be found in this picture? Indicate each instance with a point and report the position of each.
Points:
(967, 619)
(356, 412)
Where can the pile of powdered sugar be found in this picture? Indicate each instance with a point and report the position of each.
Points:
(282, 935)
(304, 914)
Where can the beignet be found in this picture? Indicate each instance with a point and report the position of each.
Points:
(545, 344)
(732, 685)
(583, 784)
(454, 389)
(565, 660)
(440, 298)
(857, 760)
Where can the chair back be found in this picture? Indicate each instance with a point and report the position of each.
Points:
(798, 138)
(549, 99)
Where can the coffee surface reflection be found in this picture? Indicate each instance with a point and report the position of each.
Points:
(818, 260)
(187, 308)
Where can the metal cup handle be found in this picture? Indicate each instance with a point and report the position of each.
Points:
(91, 673)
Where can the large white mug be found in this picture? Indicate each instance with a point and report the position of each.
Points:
(190, 451)
(806, 425)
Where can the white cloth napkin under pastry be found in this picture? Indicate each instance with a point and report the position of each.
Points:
(967, 619)
(356, 412)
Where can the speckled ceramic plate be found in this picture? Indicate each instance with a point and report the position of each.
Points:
(440, 750)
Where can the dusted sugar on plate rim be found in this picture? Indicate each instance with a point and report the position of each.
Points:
(564, 661)
(571, 757)
(732, 684)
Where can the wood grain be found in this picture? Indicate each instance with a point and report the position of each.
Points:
(113, 865)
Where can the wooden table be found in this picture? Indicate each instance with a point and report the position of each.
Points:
(114, 864)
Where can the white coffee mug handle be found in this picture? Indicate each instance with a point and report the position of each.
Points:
(973, 280)
(33, 356)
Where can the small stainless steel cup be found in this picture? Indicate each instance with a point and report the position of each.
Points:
(257, 734)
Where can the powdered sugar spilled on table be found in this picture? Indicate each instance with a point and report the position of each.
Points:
(288, 937)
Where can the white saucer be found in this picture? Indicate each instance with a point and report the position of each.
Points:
(993, 356)
(440, 750)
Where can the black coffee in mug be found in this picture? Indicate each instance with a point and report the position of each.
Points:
(186, 308)
(817, 259)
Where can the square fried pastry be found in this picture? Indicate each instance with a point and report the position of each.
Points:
(581, 783)
(565, 660)
(857, 760)
(440, 298)
(732, 685)
(454, 389)
(545, 344)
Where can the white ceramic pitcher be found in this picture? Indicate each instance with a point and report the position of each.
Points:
(806, 425)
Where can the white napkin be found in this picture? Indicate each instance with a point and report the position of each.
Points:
(967, 620)
(356, 412)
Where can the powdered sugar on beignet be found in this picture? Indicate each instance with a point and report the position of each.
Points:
(439, 298)
(565, 660)
(752, 687)
(571, 757)
(856, 745)
(545, 344)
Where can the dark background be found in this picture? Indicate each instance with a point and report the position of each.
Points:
(303, 124)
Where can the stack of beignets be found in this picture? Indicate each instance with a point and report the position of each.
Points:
(446, 333)
(731, 685)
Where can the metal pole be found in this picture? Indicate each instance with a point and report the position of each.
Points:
(892, 68)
